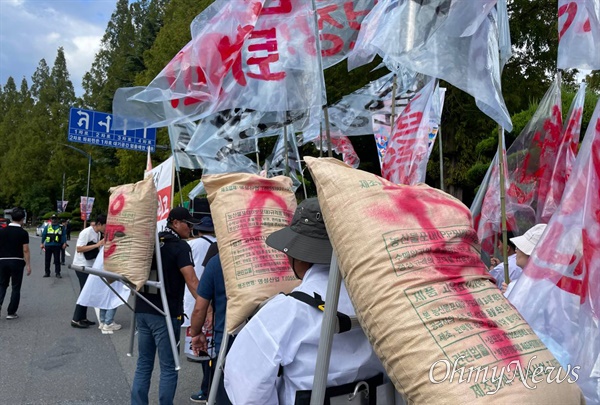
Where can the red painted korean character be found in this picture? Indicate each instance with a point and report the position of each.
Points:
(263, 62)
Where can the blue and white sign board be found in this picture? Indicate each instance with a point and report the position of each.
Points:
(95, 128)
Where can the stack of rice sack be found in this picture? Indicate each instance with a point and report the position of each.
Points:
(131, 230)
(246, 209)
(411, 263)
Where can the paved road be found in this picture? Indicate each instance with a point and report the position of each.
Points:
(43, 360)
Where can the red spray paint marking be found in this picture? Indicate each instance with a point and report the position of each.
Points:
(412, 203)
(111, 230)
(258, 202)
(538, 171)
(563, 165)
(548, 150)
(571, 10)
(227, 56)
(590, 243)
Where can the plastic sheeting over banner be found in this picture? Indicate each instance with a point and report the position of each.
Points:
(342, 146)
(382, 123)
(218, 150)
(241, 56)
(339, 24)
(285, 157)
(353, 113)
(485, 209)
(564, 272)
(579, 34)
(528, 160)
(408, 148)
(561, 159)
(454, 41)
(180, 136)
(531, 157)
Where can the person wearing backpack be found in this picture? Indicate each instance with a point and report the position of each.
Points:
(272, 360)
(205, 232)
(178, 273)
(88, 245)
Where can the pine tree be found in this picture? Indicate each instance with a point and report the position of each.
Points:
(9, 116)
(110, 68)
(39, 79)
(14, 140)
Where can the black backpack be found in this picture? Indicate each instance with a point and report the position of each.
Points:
(212, 251)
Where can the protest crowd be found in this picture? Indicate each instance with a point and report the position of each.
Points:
(431, 301)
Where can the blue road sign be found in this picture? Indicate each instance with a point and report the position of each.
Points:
(95, 128)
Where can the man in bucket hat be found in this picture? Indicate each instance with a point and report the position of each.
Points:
(524, 246)
(527, 242)
(272, 360)
(201, 245)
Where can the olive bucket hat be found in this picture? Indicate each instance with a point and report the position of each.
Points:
(306, 238)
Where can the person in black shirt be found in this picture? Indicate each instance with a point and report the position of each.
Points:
(14, 259)
(178, 271)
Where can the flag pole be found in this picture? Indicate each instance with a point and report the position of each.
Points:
(393, 117)
(320, 140)
(503, 201)
(300, 165)
(328, 132)
(176, 166)
(320, 62)
(173, 188)
(257, 152)
(286, 150)
(439, 135)
(148, 162)
(501, 153)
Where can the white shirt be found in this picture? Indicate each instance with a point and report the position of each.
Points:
(514, 271)
(95, 293)
(199, 248)
(86, 236)
(286, 332)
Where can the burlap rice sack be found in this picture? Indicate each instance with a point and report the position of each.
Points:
(410, 260)
(246, 209)
(130, 230)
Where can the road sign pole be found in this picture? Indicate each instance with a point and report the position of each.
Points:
(87, 193)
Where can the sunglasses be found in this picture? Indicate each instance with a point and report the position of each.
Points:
(189, 224)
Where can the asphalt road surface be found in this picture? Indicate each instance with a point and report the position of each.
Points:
(43, 360)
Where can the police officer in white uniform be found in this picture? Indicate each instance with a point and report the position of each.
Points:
(272, 360)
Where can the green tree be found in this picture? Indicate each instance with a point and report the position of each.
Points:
(110, 70)
(9, 120)
(173, 36)
(39, 79)
(593, 80)
(470, 137)
(16, 138)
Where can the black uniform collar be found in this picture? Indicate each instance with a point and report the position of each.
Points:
(168, 232)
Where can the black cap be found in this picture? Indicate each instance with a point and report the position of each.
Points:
(182, 214)
(53, 216)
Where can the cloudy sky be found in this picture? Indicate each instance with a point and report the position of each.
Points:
(34, 29)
